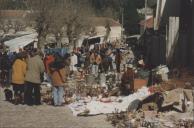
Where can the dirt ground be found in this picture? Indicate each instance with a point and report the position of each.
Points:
(44, 116)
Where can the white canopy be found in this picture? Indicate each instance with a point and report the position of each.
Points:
(20, 42)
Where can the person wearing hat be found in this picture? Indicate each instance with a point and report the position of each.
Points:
(127, 81)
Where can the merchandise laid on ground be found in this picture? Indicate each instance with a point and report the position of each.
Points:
(97, 63)
(169, 103)
(133, 95)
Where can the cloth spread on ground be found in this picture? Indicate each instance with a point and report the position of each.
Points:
(97, 107)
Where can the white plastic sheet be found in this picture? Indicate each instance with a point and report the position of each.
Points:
(20, 42)
(97, 107)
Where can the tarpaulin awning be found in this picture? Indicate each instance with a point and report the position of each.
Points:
(20, 42)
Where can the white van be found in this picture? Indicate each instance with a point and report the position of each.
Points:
(93, 40)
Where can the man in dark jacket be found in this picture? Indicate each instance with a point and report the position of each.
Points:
(5, 68)
(118, 59)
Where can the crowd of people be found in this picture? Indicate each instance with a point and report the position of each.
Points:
(25, 71)
(101, 59)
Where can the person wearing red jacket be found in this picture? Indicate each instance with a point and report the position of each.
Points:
(47, 61)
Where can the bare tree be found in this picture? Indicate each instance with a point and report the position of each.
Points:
(6, 26)
(9, 24)
(70, 20)
(40, 18)
(59, 17)
(92, 31)
(19, 26)
(57, 24)
(109, 12)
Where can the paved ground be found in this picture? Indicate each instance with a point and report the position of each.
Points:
(44, 116)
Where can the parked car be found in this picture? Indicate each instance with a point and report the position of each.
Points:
(92, 40)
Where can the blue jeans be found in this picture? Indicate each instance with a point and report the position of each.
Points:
(58, 93)
(95, 69)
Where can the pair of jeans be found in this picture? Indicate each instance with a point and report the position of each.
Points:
(18, 92)
(95, 69)
(32, 94)
(114, 66)
(58, 93)
(110, 66)
(118, 67)
(18, 88)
